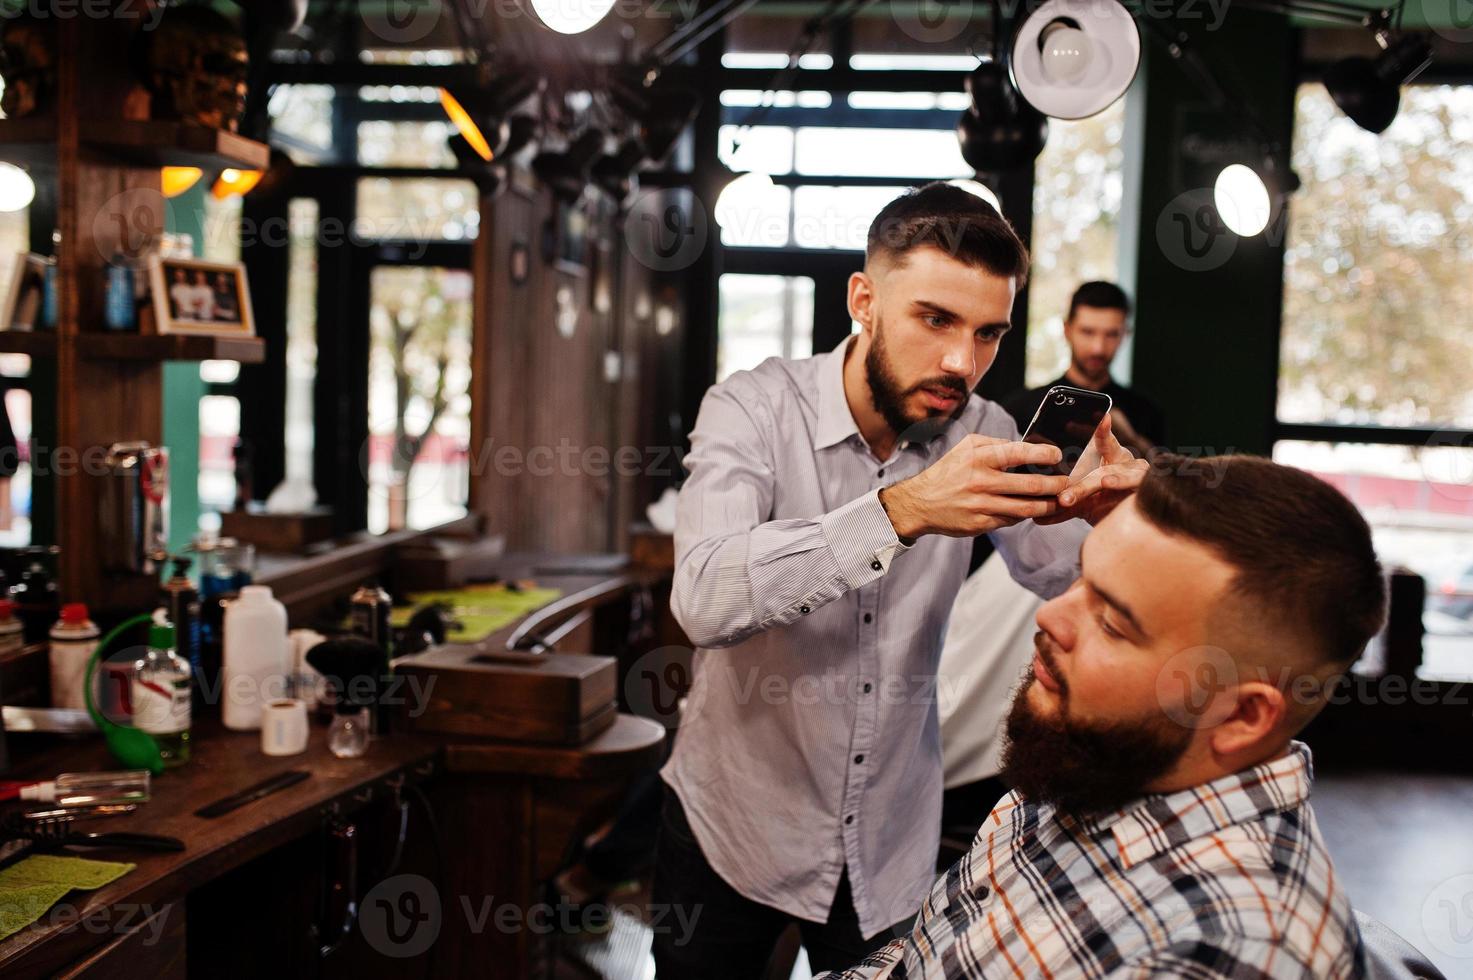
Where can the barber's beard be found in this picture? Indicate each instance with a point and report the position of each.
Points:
(889, 395)
(1084, 768)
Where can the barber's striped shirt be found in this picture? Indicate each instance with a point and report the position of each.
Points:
(1229, 879)
(810, 740)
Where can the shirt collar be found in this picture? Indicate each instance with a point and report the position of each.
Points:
(835, 421)
(1163, 821)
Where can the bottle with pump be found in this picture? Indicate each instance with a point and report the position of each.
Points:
(255, 664)
(162, 694)
(73, 639)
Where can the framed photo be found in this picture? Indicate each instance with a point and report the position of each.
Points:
(193, 296)
(25, 299)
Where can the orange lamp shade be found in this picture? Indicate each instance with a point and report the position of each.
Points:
(233, 182)
(176, 180)
(465, 124)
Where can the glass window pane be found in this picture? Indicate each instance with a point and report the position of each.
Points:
(750, 97)
(950, 101)
(302, 114)
(382, 143)
(1076, 230)
(857, 152)
(913, 62)
(419, 368)
(424, 208)
(837, 217)
(221, 229)
(774, 59)
(762, 317)
(763, 149)
(15, 505)
(1419, 503)
(219, 428)
(1381, 224)
(301, 337)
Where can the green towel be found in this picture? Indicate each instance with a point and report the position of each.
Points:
(480, 609)
(32, 885)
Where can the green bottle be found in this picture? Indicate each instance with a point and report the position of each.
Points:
(161, 696)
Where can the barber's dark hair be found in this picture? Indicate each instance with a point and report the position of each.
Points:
(1099, 296)
(1302, 551)
(944, 216)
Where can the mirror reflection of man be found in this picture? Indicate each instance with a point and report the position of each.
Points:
(1096, 325)
(821, 536)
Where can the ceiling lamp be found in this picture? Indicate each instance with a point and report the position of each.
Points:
(234, 182)
(1369, 90)
(17, 189)
(999, 131)
(661, 112)
(613, 173)
(479, 111)
(176, 180)
(1072, 58)
(744, 197)
(571, 16)
(1248, 198)
(567, 172)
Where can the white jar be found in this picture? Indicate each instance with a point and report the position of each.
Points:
(73, 641)
(254, 664)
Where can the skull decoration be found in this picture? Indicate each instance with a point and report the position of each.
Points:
(28, 64)
(194, 64)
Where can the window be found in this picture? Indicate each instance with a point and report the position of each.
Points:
(1374, 392)
(418, 396)
(15, 372)
(762, 317)
(219, 409)
(424, 208)
(1076, 229)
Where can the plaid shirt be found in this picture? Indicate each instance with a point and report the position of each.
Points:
(1229, 879)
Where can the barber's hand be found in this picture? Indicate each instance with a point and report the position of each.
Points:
(1111, 475)
(968, 491)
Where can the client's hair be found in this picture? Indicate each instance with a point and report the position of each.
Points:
(1302, 551)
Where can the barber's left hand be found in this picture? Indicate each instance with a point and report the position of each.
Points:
(1111, 475)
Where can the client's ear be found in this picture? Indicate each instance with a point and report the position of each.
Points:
(1254, 721)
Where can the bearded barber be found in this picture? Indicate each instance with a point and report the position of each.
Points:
(821, 537)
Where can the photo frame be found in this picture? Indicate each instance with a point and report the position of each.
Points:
(192, 296)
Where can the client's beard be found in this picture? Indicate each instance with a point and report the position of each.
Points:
(1084, 768)
(889, 397)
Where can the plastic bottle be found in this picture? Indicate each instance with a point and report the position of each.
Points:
(255, 660)
(11, 630)
(162, 695)
(73, 639)
(91, 788)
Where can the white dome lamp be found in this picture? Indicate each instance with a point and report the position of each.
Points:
(571, 16)
(1072, 58)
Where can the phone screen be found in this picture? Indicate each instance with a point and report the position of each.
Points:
(1067, 418)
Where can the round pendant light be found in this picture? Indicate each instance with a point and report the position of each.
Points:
(1072, 58)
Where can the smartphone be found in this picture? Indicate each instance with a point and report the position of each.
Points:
(1066, 418)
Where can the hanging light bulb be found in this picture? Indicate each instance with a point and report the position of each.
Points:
(1065, 51)
(1242, 200)
(571, 16)
(743, 197)
(233, 182)
(174, 181)
(17, 190)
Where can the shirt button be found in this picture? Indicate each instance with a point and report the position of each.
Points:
(881, 473)
(876, 565)
(849, 819)
(868, 687)
(858, 759)
(868, 618)
(804, 610)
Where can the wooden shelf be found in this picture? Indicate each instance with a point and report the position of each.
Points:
(122, 346)
(153, 144)
(40, 343)
(171, 347)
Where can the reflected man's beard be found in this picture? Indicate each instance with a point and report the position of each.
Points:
(889, 397)
(1084, 768)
